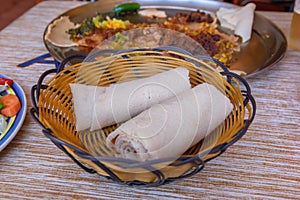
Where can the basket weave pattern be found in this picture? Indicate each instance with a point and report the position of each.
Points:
(53, 110)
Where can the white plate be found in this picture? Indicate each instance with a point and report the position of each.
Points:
(14, 123)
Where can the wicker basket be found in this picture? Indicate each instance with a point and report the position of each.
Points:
(52, 109)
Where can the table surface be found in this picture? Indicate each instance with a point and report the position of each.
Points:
(264, 164)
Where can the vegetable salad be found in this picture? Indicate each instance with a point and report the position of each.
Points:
(9, 104)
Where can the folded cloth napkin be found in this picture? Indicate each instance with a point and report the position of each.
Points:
(168, 129)
(240, 20)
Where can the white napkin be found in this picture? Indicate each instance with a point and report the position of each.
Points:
(240, 20)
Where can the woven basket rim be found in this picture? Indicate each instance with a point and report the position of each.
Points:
(74, 151)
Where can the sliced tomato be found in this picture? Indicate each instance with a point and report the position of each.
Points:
(11, 104)
(7, 81)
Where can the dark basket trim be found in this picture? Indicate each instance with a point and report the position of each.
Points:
(197, 163)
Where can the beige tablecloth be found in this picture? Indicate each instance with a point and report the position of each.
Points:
(264, 164)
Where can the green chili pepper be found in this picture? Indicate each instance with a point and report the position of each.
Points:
(1, 105)
(126, 7)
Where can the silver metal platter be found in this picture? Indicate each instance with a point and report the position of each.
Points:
(266, 47)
